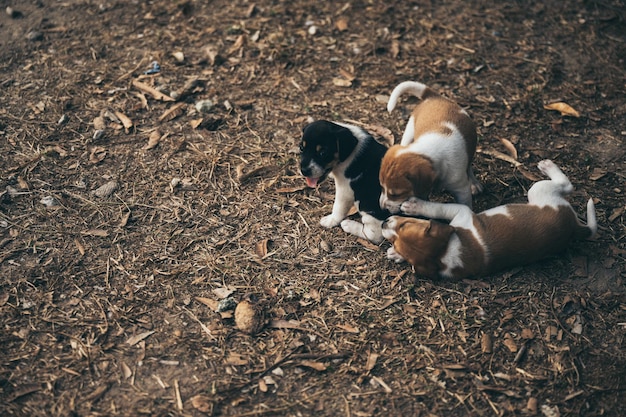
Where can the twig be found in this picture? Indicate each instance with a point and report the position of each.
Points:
(202, 325)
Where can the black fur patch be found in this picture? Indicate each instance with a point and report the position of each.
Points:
(327, 144)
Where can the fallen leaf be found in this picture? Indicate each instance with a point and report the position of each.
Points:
(284, 324)
(564, 108)
(318, 366)
(126, 122)
(202, 403)
(342, 82)
(195, 123)
(239, 43)
(367, 244)
(133, 340)
(209, 302)
(597, 173)
(173, 112)
(126, 371)
(528, 174)
(348, 328)
(95, 232)
(222, 292)
(236, 359)
(106, 190)
(124, 219)
(99, 123)
(156, 94)
(262, 385)
(371, 361)
(510, 148)
(510, 343)
(395, 48)
(153, 140)
(486, 343)
(499, 155)
(80, 247)
(527, 334)
(616, 213)
(98, 153)
(341, 24)
(260, 248)
(348, 75)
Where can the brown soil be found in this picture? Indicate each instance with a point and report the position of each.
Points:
(108, 295)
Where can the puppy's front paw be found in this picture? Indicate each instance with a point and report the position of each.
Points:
(352, 227)
(330, 221)
(411, 206)
(393, 255)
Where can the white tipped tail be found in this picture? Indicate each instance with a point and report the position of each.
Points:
(419, 90)
(592, 221)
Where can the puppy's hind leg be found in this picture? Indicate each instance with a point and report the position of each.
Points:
(475, 185)
(544, 192)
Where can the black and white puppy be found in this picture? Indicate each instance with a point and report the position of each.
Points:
(352, 157)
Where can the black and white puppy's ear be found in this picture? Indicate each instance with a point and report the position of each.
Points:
(346, 142)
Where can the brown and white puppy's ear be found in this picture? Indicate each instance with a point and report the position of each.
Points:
(422, 175)
(422, 243)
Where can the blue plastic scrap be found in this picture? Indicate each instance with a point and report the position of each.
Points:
(154, 68)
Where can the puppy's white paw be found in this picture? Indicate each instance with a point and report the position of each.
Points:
(393, 255)
(547, 166)
(411, 206)
(330, 221)
(353, 227)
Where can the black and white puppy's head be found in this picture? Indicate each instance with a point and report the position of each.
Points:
(324, 146)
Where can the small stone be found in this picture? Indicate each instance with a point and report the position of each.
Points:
(49, 201)
(12, 13)
(204, 106)
(179, 57)
(312, 30)
(226, 304)
(34, 36)
(64, 119)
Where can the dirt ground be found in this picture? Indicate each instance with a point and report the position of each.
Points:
(135, 205)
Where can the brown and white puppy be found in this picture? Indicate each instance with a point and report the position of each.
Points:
(499, 238)
(435, 152)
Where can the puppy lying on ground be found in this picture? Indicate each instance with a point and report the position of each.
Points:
(502, 237)
(436, 151)
(352, 157)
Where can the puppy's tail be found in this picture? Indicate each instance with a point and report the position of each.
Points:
(591, 229)
(419, 90)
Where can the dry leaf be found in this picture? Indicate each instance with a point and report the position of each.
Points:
(153, 140)
(173, 112)
(367, 244)
(260, 248)
(195, 123)
(80, 247)
(106, 189)
(528, 174)
(156, 94)
(597, 174)
(222, 292)
(124, 219)
(371, 361)
(209, 302)
(486, 343)
(395, 48)
(318, 366)
(510, 343)
(202, 403)
(341, 24)
(499, 155)
(236, 359)
(564, 108)
(616, 213)
(342, 82)
(126, 371)
(99, 123)
(133, 340)
(239, 43)
(348, 75)
(95, 232)
(126, 122)
(527, 334)
(97, 155)
(510, 148)
(284, 324)
(262, 385)
(348, 328)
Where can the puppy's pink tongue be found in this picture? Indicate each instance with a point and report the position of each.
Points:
(311, 182)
